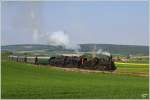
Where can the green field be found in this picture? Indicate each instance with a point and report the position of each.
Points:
(139, 60)
(133, 68)
(33, 81)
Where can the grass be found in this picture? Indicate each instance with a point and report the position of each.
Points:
(132, 64)
(32, 81)
(139, 60)
(132, 68)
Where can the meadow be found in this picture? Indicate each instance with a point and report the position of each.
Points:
(27, 81)
(133, 68)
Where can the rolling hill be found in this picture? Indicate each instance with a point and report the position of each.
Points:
(112, 48)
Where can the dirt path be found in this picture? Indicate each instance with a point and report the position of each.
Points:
(97, 71)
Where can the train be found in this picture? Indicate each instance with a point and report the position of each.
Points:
(104, 63)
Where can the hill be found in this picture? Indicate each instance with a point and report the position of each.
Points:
(112, 48)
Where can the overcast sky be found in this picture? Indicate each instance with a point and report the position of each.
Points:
(85, 22)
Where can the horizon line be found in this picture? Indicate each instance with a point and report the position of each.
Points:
(78, 44)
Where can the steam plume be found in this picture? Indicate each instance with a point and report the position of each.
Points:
(35, 30)
(60, 38)
(100, 51)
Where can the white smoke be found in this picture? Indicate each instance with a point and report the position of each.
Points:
(32, 15)
(35, 26)
(60, 38)
(100, 51)
(35, 35)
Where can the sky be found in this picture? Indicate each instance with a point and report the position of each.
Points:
(109, 22)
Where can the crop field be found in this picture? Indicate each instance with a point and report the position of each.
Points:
(20, 80)
(139, 60)
(133, 68)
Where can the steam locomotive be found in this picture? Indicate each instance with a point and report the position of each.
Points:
(104, 63)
